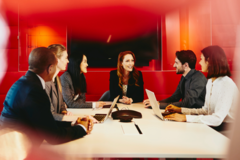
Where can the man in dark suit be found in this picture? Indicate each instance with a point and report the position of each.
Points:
(192, 86)
(27, 106)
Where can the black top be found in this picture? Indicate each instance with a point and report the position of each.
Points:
(28, 105)
(133, 91)
(194, 93)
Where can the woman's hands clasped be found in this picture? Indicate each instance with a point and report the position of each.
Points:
(126, 100)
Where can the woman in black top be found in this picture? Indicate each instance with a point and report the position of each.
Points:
(126, 81)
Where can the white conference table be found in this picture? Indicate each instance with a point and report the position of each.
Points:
(160, 139)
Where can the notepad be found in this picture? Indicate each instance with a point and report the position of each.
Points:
(129, 129)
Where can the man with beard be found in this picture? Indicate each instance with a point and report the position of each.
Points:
(192, 86)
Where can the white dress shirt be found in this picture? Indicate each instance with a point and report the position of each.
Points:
(42, 81)
(220, 103)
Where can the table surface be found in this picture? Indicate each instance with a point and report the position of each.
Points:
(159, 138)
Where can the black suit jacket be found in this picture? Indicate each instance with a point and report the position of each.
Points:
(27, 104)
(195, 91)
(134, 92)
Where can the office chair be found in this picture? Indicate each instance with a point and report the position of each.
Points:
(105, 96)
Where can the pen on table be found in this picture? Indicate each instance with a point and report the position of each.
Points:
(140, 132)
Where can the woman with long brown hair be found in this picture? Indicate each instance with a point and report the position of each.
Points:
(126, 81)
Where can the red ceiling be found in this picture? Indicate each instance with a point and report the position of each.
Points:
(95, 19)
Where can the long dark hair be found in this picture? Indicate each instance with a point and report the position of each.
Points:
(134, 73)
(78, 80)
(217, 62)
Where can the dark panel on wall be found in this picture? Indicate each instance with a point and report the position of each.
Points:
(105, 54)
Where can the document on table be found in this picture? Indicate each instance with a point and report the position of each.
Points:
(129, 129)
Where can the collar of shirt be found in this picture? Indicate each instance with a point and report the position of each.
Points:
(190, 73)
(42, 81)
(217, 79)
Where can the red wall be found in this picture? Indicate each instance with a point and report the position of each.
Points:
(191, 27)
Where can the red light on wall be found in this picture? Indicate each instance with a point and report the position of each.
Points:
(44, 36)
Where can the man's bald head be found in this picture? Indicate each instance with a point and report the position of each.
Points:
(40, 59)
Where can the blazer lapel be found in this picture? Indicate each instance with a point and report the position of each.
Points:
(54, 90)
(59, 95)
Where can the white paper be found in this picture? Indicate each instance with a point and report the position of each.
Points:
(129, 129)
